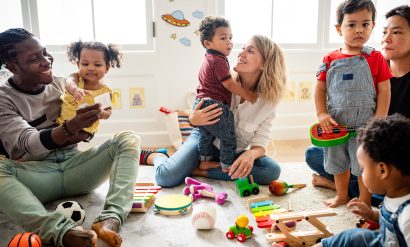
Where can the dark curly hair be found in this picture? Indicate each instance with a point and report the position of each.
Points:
(208, 25)
(403, 11)
(352, 6)
(8, 40)
(388, 140)
(112, 53)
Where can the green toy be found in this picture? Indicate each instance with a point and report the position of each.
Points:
(246, 186)
(240, 230)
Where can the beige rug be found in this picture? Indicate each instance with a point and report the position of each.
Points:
(149, 229)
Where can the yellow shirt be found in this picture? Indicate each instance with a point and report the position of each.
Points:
(69, 106)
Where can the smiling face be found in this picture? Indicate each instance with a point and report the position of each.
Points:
(221, 41)
(355, 29)
(92, 65)
(396, 38)
(250, 59)
(32, 64)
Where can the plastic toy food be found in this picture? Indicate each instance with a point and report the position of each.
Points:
(278, 187)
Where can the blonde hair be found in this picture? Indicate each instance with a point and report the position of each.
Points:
(272, 82)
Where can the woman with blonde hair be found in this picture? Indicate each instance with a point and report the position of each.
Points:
(260, 68)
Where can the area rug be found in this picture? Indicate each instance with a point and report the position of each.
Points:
(149, 229)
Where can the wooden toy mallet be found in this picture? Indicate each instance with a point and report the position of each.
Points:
(278, 187)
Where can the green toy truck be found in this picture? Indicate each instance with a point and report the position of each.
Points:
(246, 186)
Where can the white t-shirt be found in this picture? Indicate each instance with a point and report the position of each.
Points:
(392, 204)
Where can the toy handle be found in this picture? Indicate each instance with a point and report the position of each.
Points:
(297, 186)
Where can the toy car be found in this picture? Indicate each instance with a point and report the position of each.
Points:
(240, 230)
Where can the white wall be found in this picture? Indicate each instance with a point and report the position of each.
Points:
(169, 73)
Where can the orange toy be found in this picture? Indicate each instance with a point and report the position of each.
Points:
(25, 239)
(278, 187)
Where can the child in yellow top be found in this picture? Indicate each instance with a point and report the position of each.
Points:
(93, 59)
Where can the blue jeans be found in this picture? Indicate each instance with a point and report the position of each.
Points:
(314, 159)
(224, 130)
(171, 172)
(354, 238)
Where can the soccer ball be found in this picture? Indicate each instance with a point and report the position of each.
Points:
(72, 210)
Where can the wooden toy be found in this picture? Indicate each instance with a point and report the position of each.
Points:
(246, 186)
(339, 135)
(278, 187)
(262, 207)
(144, 196)
(173, 205)
(203, 217)
(240, 230)
(301, 237)
(25, 239)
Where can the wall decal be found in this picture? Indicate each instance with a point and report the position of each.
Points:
(137, 98)
(290, 94)
(198, 14)
(176, 18)
(305, 90)
(173, 36)
(185, 41)
(116, 98)
(196, 32)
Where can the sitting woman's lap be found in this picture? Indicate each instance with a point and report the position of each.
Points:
(171, 172)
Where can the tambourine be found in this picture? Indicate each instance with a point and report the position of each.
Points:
(173, 205)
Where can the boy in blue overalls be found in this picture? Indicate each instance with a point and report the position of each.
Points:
(384, 156)
(353, 86)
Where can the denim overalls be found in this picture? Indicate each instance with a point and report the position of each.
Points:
(351, 100)
(390, 234)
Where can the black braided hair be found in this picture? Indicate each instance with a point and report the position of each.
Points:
(112, 53)
(8, 40)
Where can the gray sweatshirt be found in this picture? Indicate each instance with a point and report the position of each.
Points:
(26, 119)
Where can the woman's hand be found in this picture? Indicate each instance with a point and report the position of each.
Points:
(207, 116)
(360, 208)
(242, 166)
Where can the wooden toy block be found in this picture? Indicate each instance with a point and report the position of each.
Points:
(144, 196)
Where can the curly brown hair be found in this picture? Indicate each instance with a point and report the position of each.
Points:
(208, 25)
(112, 53)
(388, 140)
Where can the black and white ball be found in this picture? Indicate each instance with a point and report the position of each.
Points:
(72, 210)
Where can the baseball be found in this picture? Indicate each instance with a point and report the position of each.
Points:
(203, 217)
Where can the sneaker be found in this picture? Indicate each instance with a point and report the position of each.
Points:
(145, 153)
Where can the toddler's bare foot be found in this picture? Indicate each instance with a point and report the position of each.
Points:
(206, 165)
(197, 172)
(336, 201)
(108, 230)
(320, 181)
(78, 237)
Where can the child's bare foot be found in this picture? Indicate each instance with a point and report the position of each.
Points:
(336, 201)
(320, 181)
(108, 230)
(79, 237)
(197, 172)
(206, 165)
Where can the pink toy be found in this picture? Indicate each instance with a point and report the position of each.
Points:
(220, 198)
(196, 190)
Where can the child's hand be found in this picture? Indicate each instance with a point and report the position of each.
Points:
(79, 94)
(252, 97)
(360, 208)
(326, 122)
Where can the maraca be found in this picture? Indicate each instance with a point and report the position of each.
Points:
(278, 187)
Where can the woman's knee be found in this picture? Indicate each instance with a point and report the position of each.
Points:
(268, 170)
